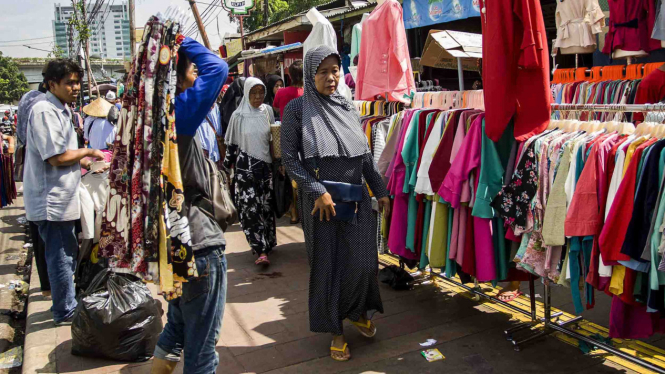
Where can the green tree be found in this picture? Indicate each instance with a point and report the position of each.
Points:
(13, 83)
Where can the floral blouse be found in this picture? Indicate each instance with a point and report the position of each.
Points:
(513, 202)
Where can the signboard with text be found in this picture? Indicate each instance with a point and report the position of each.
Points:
(238, 7)
(419, 13)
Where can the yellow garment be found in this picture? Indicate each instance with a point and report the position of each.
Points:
(438, 234)
(631, 150)
(616, 283)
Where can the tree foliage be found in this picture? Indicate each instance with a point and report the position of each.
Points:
(13, 83)
(277, 11)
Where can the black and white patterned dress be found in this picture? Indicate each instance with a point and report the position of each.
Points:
(343, 257)
(253, 199)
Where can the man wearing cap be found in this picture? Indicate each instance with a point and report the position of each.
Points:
(111, 98)
(97, 130)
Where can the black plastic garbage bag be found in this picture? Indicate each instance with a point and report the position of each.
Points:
(116, 318)
(396, 277)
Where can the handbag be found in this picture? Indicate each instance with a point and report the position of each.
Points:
(223, 210)
(346, 196)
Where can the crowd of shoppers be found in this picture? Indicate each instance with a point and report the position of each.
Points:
(228, 122)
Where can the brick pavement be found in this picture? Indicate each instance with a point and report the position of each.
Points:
(266, 329)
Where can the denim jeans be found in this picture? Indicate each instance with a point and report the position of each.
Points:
(61, 250)
(195, 319)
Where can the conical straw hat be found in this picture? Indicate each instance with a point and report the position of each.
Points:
(98, 108)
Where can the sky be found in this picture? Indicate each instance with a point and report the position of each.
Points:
(33, 19)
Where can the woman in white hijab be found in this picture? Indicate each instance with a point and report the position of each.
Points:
(248, 154)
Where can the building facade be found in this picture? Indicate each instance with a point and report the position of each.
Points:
(109, 31)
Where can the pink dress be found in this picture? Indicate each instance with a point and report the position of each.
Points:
(400, 214)
(468, 160)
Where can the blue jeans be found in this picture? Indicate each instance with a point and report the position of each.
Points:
(61, 252)
(195, 319)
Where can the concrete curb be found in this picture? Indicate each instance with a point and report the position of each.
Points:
(40, 332)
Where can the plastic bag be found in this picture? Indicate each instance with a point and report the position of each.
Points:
(396, 277)
(282, 192)
(116, 318)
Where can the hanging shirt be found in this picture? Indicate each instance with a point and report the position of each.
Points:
(356, 34)
(516, 69)
(631, 25)
(578, 21)
(650, 91)
(384, 65)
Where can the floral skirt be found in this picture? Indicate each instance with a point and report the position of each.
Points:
(253, 199)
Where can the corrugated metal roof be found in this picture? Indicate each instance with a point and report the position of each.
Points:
(326, 12)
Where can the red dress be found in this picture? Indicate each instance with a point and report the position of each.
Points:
(516, 77)
(631, 25)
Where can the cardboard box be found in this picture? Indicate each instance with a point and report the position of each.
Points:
(442, 48)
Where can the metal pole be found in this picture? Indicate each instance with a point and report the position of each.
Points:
(199, 23)
(242, 33)
(532, 294)
(281, 68)
(132, 30)
(460, 74)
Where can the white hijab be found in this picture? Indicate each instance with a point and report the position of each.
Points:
(249, 127)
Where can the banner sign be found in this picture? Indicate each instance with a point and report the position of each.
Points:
(419, 13)
(238, 7)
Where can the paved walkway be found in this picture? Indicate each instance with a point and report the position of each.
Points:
(266, 329)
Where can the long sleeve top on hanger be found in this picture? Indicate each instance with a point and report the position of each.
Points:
(631, 25)
(356, 37)
(384, 64)
(516, 76)
(578, 21)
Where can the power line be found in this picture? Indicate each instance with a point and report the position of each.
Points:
(20, 45)
(23, 40)
(43, 50)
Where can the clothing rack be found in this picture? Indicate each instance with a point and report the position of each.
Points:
(660, 107)
(551, 326)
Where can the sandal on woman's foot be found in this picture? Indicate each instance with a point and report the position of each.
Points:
(363, 328)
(262, 260)
(340, 354)
(509, 296)
(295, 221)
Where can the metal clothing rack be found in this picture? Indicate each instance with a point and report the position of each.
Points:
(551, 326)
(660, 107)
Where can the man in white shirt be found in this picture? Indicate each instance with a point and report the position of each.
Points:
(51, 178)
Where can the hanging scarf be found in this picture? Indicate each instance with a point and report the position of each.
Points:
(249, 127)
(330, 125)
(144, 231)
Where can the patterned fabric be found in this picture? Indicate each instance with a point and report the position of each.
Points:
(330, 125)
(343, 257)
(253, 199)
(144, 231)
(513, 202)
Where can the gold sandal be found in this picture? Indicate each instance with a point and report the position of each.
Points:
(343, 350)
(368, 326)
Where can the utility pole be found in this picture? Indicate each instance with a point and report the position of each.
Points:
(86, 49)
(132, 30)
(202, 29)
